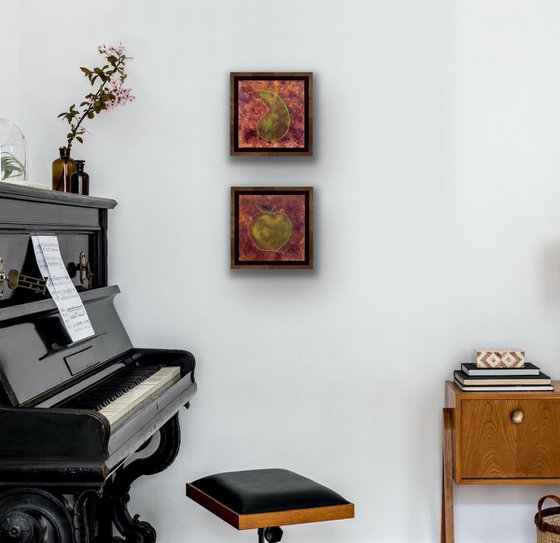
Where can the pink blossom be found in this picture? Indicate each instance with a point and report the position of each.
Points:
(112, 50)
(121, 95)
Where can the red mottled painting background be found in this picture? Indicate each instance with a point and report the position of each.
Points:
(251, 109)
(292, 205)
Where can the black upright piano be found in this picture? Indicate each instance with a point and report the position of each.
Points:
(73, 414)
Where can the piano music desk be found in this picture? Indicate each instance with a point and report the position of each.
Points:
(498, 438)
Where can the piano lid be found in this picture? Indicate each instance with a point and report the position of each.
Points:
(57, 199)
(37, 358)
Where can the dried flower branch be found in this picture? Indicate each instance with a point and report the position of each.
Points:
(110, 77)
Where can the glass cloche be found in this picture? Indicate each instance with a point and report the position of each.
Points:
(13, 152)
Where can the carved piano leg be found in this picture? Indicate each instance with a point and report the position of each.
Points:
(133, 529)
(83, 515)
(30, 515)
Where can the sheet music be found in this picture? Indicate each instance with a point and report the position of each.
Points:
(61, 288)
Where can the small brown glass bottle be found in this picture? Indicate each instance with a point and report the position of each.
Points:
(62, 169)
(79, 182)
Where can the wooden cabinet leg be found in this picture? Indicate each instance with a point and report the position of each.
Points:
(447, 528)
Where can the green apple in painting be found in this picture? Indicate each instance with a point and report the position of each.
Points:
(270, 231)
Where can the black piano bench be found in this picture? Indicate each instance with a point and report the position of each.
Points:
(267, 499)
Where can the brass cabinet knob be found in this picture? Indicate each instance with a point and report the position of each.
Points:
(517, 416)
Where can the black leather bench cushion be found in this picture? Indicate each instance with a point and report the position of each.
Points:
(266, 491)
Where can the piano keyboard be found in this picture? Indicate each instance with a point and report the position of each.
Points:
(118, 409)
(121, 394)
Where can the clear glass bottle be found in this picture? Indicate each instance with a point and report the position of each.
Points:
(13, 152)
(62, 169)
(79, 181)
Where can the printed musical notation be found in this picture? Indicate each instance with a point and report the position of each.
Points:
(61, 288)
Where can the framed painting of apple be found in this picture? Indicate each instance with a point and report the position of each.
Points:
(271, 113)
(272, 227)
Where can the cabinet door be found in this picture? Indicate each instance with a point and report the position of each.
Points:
(493, 447)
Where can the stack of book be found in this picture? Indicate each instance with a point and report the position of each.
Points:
(471, 378)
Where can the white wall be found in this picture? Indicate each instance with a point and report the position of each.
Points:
(436, 176)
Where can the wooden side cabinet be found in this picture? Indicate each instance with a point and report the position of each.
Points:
(495, 438)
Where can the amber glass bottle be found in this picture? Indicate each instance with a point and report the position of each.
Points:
(79, 182)
(62, 169)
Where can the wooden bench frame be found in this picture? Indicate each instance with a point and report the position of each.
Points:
(265, 520)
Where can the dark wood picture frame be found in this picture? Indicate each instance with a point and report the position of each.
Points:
(306, 147)
(297, 250)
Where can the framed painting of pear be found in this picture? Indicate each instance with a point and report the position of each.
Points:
(272, 227)
(271, 113)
